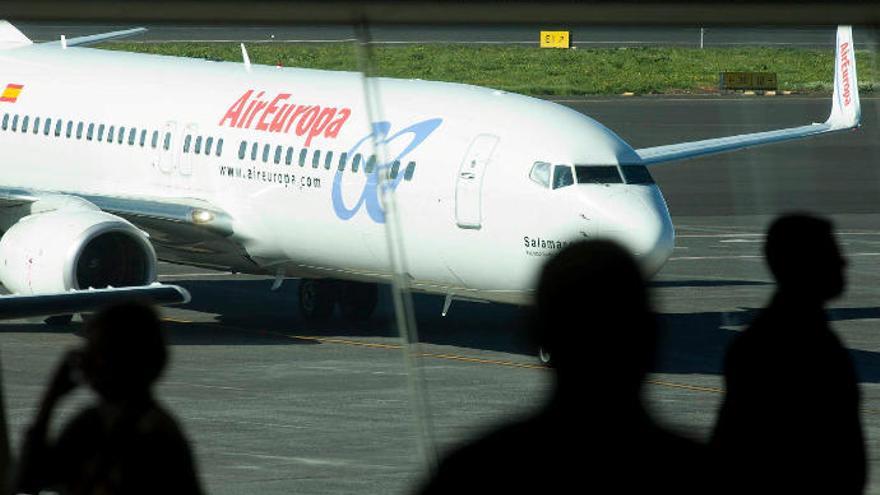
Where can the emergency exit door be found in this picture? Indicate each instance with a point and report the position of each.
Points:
(469, 184)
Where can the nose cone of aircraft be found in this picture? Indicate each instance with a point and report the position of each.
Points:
(637, 217)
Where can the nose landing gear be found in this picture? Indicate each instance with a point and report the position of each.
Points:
(317, 299)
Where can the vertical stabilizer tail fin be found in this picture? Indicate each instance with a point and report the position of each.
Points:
(846, 110)
(11, 37)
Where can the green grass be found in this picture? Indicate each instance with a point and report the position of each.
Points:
(535, 71)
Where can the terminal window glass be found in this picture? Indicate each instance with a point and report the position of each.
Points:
(540, 174)
(562, 176)
(598, 174)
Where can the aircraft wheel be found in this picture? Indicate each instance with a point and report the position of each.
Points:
(357, 301)
(317, 299)
(58, 320)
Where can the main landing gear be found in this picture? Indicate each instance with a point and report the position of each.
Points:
(318, 298)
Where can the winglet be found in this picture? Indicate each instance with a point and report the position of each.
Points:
(846, 111)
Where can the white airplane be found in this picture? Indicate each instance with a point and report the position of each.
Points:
(114, 160)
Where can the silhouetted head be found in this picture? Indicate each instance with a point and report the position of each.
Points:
(592, 314)
(125, 351)
(804, 258)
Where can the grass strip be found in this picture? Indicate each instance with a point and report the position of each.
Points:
(529, 70)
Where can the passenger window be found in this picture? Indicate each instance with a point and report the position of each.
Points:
(155, 141)
(209, 143)
(143, 140)
(342, 159)
(5, 124)
(121, 136)
(371, 165)
(598, 174)
(356, 162)
(15, 123)
(540, 174)
(58, 124)
(219, 147)
(302, 156)
(100, 132)
(24, 123)
(186, 142)
(132, 135)
(198, 146)
(110, 133)
(36, 125)
(46, 127)
(278, 150)
(254, 148)
(410, 170)
(69, 132)
(562, 176)
(316, 159)
(79, 130)
(395, 169)
(167, 144)
(327, 159)
(288, 159)
(266, 149)
(90, 134)
(242, 150)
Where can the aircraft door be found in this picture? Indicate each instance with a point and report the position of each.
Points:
(469, 184)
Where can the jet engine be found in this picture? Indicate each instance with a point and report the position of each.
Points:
(61, 250)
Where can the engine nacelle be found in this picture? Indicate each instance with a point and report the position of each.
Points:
(61, 250)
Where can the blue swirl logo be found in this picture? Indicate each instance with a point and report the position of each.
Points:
(370, 198)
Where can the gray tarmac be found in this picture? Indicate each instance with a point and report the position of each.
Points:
(275, 405)
(582, 36)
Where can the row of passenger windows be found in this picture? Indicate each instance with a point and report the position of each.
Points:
(287, 154)
(558, 176)
(202, 145)
(102, 132)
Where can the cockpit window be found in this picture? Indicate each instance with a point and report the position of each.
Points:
(562, 176)
(637, 174)
(541, 174)
(598, 174)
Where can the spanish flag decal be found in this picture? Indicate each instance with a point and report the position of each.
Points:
(10, 94)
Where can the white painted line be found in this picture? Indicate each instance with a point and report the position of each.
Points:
(750, 256)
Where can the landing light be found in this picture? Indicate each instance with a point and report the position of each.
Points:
(202, 216)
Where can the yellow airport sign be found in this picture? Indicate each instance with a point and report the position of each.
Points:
(555, 39)
(748, 80)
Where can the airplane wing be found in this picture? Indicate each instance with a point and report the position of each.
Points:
(14, 306)
(845, 114)
(99, 38)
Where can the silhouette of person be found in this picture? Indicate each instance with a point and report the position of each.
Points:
(593, 316)
(126, 442)
(790, 422)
